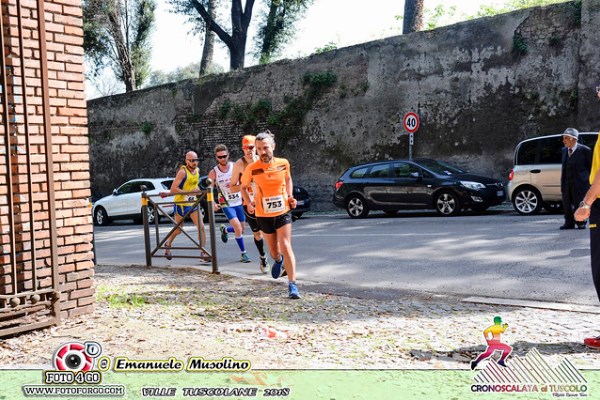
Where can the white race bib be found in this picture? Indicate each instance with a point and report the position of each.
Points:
(234, 196)
(191, 199)
(273, 204)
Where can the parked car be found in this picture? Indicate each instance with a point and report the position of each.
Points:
(418, 184)
(303, 198)
(126, 201)
(534, 181)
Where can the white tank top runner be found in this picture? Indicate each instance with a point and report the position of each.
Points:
(224, 182)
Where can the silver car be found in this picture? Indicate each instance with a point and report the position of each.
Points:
(126, 201)
(534, 181)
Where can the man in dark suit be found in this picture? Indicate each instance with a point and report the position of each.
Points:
(574, 179)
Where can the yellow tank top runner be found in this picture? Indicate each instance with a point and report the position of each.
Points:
(189, 183)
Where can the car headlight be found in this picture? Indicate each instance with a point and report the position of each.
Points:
(472, 185)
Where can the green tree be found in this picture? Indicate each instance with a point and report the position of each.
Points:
(512, 5)
(117, 34)
(240, 20)
(179, 74)
(277, 26)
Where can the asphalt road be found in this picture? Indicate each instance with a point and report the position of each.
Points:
(498, 254)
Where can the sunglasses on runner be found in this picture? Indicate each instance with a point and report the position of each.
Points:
(221, 157)
(193, 160)
(248, 147)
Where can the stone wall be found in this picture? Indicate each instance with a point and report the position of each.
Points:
(27, 230)
(479, 88)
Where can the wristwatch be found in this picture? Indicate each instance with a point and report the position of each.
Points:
(583, 205)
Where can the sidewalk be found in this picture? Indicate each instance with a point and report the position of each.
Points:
(156, 313)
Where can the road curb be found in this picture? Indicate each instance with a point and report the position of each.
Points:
(546, 305)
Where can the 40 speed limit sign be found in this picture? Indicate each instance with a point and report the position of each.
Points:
(411, 122)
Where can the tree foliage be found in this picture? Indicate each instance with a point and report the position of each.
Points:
(117, 34)
(189, 71)
(240, 21)
(276, 26)
(512, 5)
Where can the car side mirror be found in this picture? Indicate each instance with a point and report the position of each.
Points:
(416, 175)
(115, 193)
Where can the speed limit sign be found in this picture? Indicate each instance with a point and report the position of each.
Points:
(411, 122)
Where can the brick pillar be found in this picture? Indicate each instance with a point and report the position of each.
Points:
(28, 250)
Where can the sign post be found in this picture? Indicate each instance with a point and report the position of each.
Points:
(411, 124)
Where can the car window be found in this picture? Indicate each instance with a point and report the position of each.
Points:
(526, 153)
(380, 171)
(440, 168)
(550, 150)
(403, 170)
(149, 186)
(167, 184)
(588, 139)
(128, 187)
(359, 173)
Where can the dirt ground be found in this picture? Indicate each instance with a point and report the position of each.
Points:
(156, 313)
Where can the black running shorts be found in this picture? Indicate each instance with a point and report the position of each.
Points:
(251, 220)
(271, 224)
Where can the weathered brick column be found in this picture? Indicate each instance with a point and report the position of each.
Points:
(45, 216)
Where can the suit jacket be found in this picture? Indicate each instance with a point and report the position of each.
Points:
(580, 163)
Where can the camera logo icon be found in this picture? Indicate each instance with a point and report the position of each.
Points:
(75, 356)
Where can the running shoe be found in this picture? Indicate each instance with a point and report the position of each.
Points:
(277, 268)
(592, 343)
(168, 254)
(264, 265)
(293, 291)
(224, 235)
(244, 258)
(501, 363)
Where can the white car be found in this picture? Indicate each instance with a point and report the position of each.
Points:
(126, 201)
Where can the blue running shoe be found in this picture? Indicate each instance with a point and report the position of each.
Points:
(244, 258)
(293, 291)
(224, 235)
(277, 268)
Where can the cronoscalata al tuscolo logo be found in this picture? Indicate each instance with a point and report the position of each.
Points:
(528, 374)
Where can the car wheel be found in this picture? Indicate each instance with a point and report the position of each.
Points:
(447, 203)
(527, 201)
(357, 207)
(100, 217)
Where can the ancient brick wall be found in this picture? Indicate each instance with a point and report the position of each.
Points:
(479, 87)
(52, 132)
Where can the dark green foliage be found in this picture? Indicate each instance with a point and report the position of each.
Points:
(147, 127)
(117, 34)
(277, 27)
(519, 44)
(225, 108)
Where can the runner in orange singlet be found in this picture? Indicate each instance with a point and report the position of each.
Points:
(272, 203)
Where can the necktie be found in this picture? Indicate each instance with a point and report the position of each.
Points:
(570, 152)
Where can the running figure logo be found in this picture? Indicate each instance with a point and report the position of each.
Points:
(492, 337)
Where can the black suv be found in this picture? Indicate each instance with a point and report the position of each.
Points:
(421, 183)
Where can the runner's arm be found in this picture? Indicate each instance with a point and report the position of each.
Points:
(236, 177)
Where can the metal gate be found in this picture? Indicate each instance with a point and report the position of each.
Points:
(29, 276)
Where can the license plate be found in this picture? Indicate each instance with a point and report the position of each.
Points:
(500, 193)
